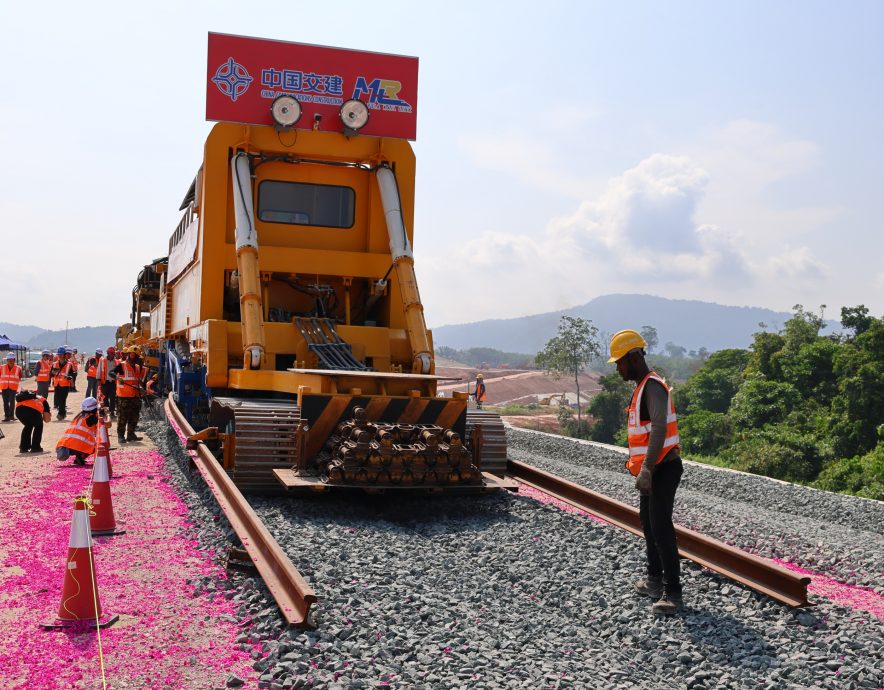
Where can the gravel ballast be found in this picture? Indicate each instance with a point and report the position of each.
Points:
(502, 591)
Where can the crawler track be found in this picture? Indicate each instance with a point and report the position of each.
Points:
(290, 590)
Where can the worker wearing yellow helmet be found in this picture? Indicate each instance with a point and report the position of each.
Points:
(655, 462)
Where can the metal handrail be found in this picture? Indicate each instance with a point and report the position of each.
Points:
(758, 573)
(288, 587)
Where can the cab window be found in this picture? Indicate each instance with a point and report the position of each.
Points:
(299, 203)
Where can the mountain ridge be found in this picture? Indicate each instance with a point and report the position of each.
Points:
(690, 323)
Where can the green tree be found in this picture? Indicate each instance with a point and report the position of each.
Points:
(649, 333)
(856, 319)
(568, 352)
(713, 387)
(705, 432)
(608, 408)
(759, 402)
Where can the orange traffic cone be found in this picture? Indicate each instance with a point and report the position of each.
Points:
(79, 596)
(101, 518)
(104, 440)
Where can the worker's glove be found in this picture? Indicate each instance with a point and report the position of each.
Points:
(643, 481)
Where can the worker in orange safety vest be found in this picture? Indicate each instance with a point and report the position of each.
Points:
(91, 372)
(479, 393)
(32, 410)
(10, 377)
(43, 373)
(105, 378)
(62, 375)
(129, 375)
(655, 462)
(79, 439)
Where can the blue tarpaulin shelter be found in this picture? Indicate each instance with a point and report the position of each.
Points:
(7, 344)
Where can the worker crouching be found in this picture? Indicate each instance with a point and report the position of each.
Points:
(79, 439)
(32, 410)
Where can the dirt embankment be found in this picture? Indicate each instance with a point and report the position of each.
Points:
(507, 386)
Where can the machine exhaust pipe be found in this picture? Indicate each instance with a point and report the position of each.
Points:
(251, 311)
(403, 262)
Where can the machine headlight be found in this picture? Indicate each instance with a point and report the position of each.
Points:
(354, 115)
(286, 111)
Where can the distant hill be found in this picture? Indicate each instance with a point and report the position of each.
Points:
(690, 323)
(19, 334)
(84, 339)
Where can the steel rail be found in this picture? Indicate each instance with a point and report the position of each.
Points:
(758, 573)
(291, 591)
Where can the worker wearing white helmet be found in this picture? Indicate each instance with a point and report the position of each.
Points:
(655, 462)
(79, 439)
(10, 377)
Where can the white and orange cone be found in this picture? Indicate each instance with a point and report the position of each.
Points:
(79, 596)
(102, 520)
(104, 441)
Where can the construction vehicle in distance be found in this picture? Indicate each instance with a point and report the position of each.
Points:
(286, 318)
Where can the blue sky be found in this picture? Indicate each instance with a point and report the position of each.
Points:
(729, 152)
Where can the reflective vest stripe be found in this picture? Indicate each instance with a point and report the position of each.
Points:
(127, 382)
(44, 371)
(78, 436)
(639, 430)
(61, 378)
(9, 378)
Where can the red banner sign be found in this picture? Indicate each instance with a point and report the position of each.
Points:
(246, 74)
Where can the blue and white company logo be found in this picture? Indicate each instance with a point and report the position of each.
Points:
(232, 79)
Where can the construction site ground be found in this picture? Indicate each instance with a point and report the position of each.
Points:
(166, 637)
(520, 387)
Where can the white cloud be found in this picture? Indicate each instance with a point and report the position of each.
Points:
(798, 264)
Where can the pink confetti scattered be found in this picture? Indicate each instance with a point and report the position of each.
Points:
(145, 576)
(859, 598)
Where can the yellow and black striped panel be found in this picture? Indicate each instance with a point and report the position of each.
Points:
(324, 412)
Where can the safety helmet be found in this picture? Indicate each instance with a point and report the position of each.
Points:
(136, 349)
(111, 348)
(10, 356)
(45, 352)
(156, 377)
(99, 351)
(624, 342)
(60, 351)
(479, 376)
(89, 404)
(68, 351)
(75, 349)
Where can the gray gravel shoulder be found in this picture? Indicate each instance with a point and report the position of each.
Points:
(837, 535)
(500, 591)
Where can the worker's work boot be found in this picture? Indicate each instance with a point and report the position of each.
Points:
(650, 587)
(121, 439)
(133, 437)
(669, 604)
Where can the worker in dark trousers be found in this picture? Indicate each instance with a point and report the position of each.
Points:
(10, 377)
(91, 371)
(106, 379)
(479, 394)
(129, 375)
(62, 373)
(655, 462)
(31, 409)
(74, 359)
(43, 374)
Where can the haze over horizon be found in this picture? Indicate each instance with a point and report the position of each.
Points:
(725, 153)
